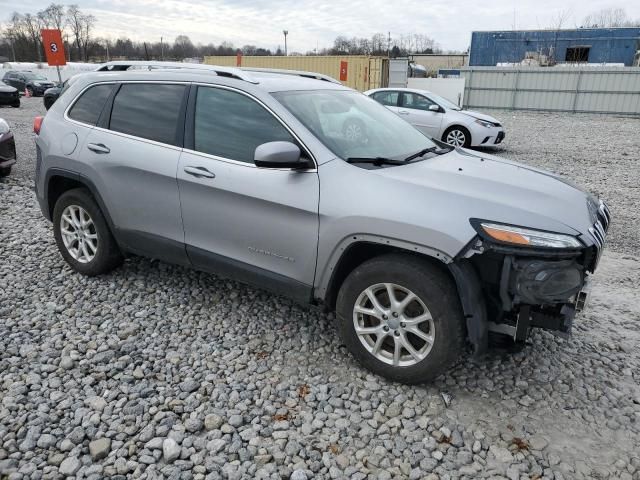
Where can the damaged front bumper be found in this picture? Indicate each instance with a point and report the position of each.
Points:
(510, 290)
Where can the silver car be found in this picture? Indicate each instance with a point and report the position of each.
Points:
(419, 247)
(439, 118)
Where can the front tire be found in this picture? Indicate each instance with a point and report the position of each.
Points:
(400, 317)
(5, 172)
(17, 104)
(31, 92)
(457, 136)
(82, 234)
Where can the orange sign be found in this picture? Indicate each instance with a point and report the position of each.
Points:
(53, 47)
(343, 71)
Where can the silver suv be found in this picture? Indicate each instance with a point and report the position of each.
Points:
(261, 176)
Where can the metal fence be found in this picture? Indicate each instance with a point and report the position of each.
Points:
(565, 89)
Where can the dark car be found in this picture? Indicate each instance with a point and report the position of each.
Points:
(9, 95)
(34, 83)
(52, 94)
(7, 149)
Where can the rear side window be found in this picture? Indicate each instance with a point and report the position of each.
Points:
(88, 107)
(148, 111)
(390, 99)
(231, 125)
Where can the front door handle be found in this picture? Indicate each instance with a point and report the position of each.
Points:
(98, 148)
(403, 112)
(199, 172)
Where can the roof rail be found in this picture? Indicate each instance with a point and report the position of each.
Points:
(300, 73)
(123, 65)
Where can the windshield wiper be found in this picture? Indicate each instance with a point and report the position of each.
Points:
(375, 160)
(423, 152)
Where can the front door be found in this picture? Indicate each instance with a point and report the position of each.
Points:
(256, 225)
(415, 109)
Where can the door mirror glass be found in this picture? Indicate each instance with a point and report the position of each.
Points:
(434, 108)
(279, 155)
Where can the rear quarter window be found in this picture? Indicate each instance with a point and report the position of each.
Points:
(89, 105)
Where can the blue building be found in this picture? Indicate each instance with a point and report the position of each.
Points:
(590, 45)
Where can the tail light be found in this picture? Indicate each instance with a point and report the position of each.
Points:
(37, 124)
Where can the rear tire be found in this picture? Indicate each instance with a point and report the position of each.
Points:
(31, 92)
(5, 172)
(82, 234)
(16, 105)
(436, 299)
(457, 136)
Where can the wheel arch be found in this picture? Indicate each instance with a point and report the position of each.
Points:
(357, 249)
(457, 125)
(58, 181)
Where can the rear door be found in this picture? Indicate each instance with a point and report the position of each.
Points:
(415, 109)
(134, 153)
(256, 225)
(388, 98)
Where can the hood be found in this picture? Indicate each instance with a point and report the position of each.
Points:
(478, 115)
(4, 88)
(474, 185)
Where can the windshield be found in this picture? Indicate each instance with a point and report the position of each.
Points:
(353, 125)
(443, 102)
(34, 76)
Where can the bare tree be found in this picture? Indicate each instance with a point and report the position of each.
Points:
(32, 26)
(53, 16)
(609, 18)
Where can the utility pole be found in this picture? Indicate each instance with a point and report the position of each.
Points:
(389, 45)
(161, 50)
(286, 32)
(107, 44)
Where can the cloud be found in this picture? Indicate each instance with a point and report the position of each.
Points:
(311, 23)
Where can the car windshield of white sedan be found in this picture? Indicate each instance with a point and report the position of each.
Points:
(353, 125)
(443, 102)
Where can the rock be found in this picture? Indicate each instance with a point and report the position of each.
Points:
(501, 454)
(538, 443)
(298, 475)
(189, 385)
(69, 466)
(66, 363)
(96, 403)
(100, 448)
(193, 425)
(236, 420)
(170, 450)
(213, 421)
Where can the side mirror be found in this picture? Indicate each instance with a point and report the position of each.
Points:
(434, 108)
(279, 155)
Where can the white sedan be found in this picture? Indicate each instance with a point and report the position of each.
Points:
(439, 118)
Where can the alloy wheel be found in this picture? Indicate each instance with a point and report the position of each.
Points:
(393, 324)
(456, 138)
(79, 233)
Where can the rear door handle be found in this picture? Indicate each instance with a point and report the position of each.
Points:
(98, 148)
(199, 172)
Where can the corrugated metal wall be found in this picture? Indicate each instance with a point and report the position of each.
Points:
(606, 45)
(363, 72)
(591, 90)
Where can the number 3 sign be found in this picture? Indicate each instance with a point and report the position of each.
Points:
(53, 47)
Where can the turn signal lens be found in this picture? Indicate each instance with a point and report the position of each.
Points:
(37, 124)
(506, 236)
(527, 237)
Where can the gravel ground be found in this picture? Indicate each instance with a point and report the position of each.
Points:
(156, 371)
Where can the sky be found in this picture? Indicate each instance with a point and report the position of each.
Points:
(314, 24)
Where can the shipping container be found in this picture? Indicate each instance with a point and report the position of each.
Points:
(360, 72)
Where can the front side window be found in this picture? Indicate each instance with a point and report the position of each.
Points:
(351, 124)
(389, 99)
(416, 101)
(231, 125)
(88, 107)
(148, 110)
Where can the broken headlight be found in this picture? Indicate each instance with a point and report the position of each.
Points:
(525, 237)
